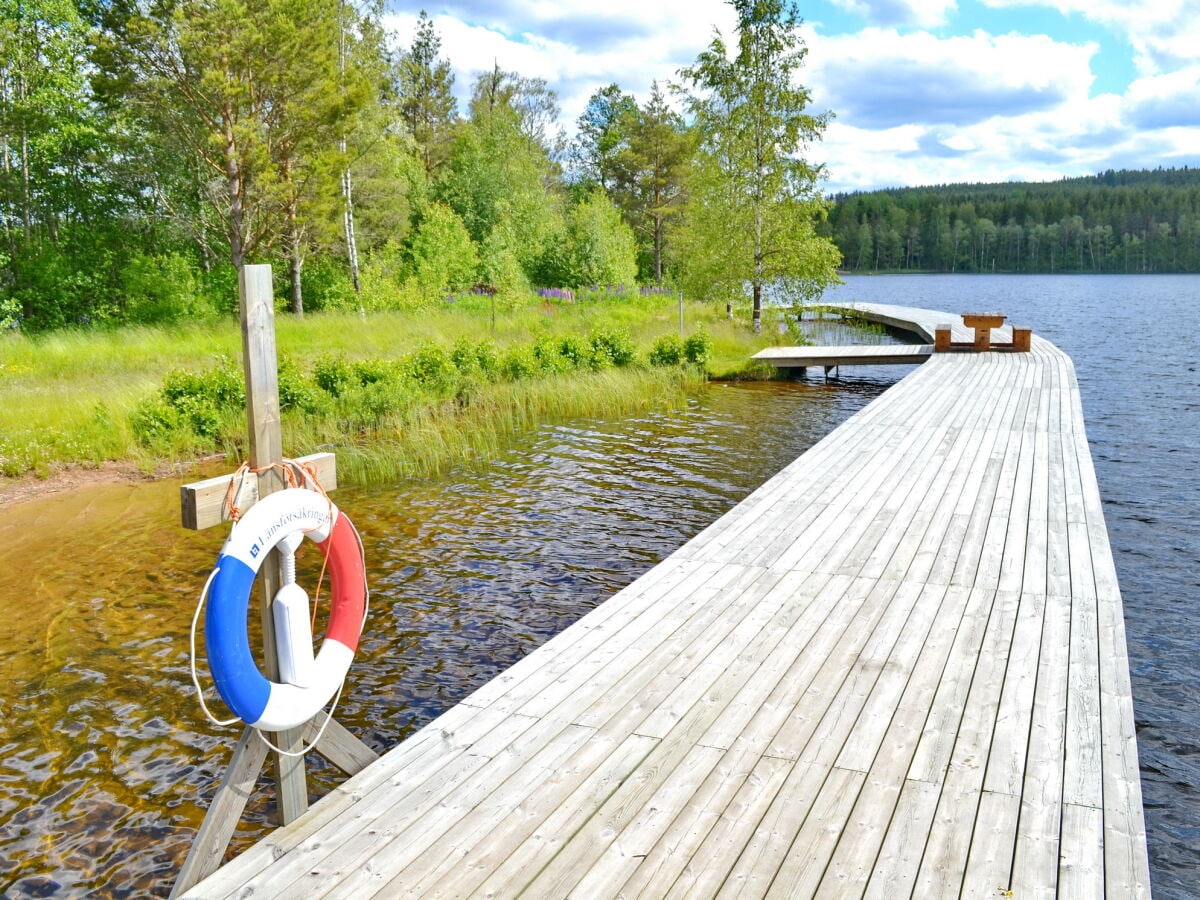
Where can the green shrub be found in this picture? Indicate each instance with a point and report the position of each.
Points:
(327, 286)
(334, 375)
(296, 390)
(476, 360)
(611, 348)
(575, 351)
(667, 351)
(155, 421)
(519, 364)
(697, 349)
(198, 403)
(432, 367)
(444, 258)
(548, 353)
(221, 387)
(163, 289)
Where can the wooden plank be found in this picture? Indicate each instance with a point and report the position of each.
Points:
(715, 825)
(415, 859)
(1035, 862)
(899, 859)
(637, 839)
(1010, 735)
(857, 355)
(526, 858)
(339, 746)
(989, 862)
(1081, 866)
(203, 503)
(259, 362)
(944, 865)
(767, 849)
(799, 874)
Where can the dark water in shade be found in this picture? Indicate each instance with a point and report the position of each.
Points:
(105, 758)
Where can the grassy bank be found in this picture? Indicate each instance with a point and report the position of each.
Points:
(80, 398)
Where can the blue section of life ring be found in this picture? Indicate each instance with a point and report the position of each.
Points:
(241, 685)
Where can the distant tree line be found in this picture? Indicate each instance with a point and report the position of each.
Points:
(148, 149)
(1118, 221)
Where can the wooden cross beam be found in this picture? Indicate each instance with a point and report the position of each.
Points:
(203, 504)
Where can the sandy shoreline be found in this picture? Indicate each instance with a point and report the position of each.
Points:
(23, 489)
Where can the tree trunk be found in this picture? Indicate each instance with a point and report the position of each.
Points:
(295, 263)
(658, 235)
(235, 190)
(294, 244)
(351, 242)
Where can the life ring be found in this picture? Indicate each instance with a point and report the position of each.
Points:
(259, 702)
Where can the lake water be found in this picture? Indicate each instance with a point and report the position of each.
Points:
(104, 757)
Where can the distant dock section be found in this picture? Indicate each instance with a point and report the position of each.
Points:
(830, 357)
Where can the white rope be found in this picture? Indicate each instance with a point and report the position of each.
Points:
(320, 731)
(196, 678)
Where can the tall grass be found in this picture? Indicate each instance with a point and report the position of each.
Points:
(67, 397)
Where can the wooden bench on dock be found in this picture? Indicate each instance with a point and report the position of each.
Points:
(982, 324)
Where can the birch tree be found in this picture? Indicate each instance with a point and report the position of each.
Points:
(754, 199)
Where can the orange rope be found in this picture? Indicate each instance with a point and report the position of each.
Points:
(296, 474)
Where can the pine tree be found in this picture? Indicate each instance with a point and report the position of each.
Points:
(649, 174)
(427, 103)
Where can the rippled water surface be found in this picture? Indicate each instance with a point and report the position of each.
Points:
(104, 756)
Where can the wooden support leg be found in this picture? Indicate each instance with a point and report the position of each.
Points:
(339, 746)
(224, 813)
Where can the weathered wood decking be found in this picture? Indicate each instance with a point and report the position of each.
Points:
(896, 669)
(830, 357)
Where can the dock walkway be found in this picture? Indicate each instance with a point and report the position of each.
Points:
(898, 668)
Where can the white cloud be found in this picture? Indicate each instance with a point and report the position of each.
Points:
(917, 109)
(1163, 33)
(912, 108)
(577, 50)
(1164, 101)
(880, 78)
(922, 13)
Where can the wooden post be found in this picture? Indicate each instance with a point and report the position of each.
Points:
(681, 313)
(1022, 338)
(202, 506)
(261, 367)
(941, 342)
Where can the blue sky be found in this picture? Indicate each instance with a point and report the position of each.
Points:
(922, 91)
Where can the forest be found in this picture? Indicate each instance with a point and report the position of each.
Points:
(1113, 222)
(148, 150)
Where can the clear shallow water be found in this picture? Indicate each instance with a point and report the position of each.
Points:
(104, 756)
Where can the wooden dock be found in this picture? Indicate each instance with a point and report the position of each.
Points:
(898, 668)
(831, 357)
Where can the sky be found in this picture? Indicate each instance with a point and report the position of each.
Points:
(922, 91)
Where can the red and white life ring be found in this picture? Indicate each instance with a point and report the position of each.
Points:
(261, 703)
